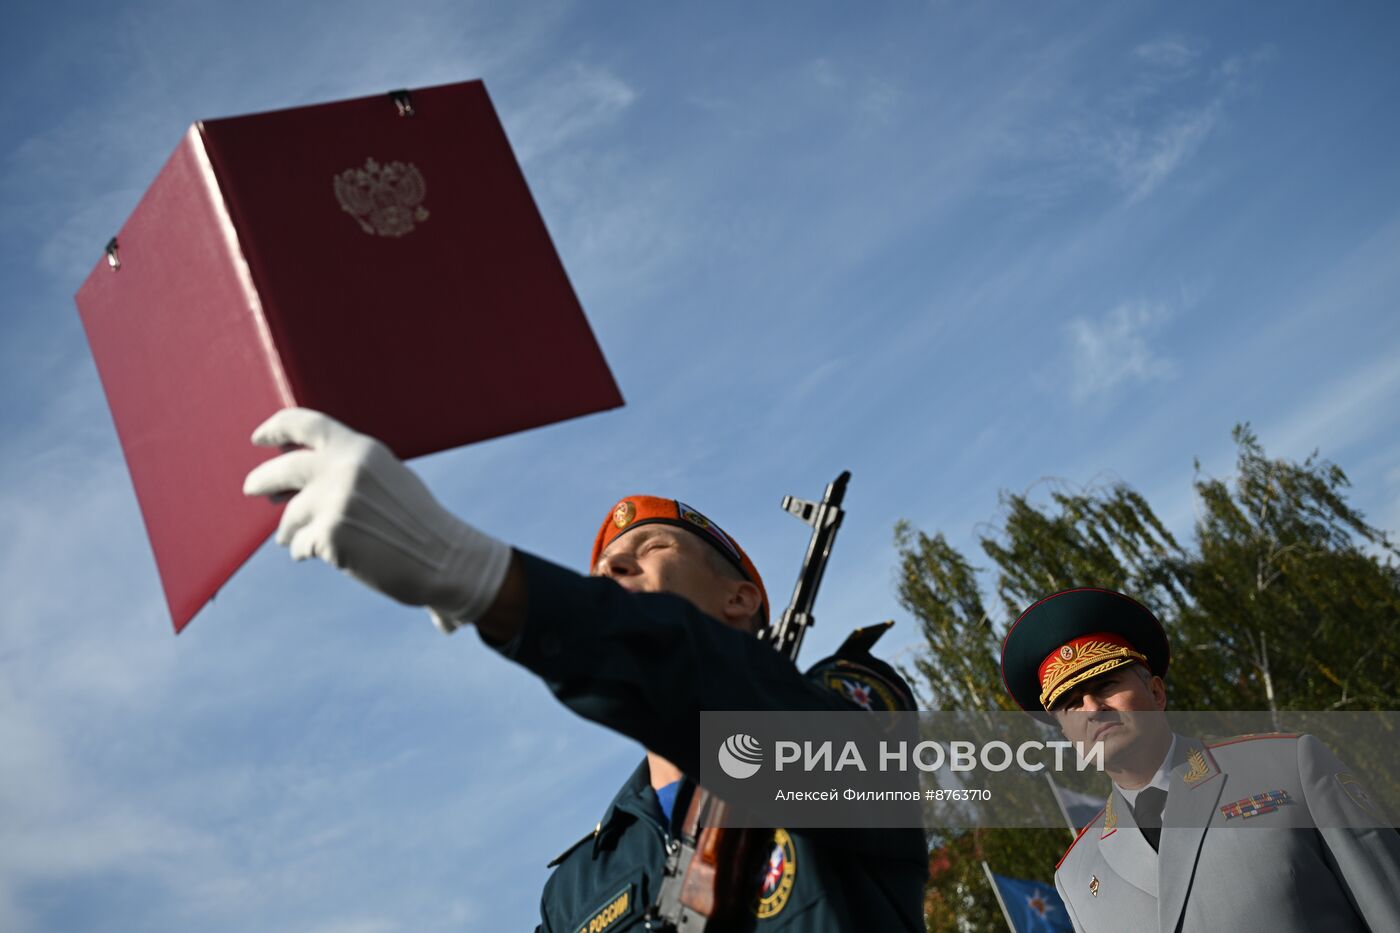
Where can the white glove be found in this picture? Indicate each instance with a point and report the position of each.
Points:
(357, 507)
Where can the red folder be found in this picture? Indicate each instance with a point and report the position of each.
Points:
(378, 259)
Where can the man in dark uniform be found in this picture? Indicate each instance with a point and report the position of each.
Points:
(661, 631)
(1264, 832)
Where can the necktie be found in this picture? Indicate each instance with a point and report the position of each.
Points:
(1147, 812)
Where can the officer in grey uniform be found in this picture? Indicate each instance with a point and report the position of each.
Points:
(1267, 832)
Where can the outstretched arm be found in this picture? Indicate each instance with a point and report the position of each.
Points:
(641, 664)
(356, 506)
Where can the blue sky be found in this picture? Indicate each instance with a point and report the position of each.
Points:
(952, 247)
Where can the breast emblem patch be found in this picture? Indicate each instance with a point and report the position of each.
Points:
(779, 876)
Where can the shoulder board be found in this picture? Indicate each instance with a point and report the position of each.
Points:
(1086, 828)
(570, 850)
(863, 639)
(1254, 737)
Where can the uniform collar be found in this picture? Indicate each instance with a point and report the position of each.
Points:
(635, 798)
(634, 801)
(1161, 780)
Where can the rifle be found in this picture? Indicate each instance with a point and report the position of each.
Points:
(711, 872)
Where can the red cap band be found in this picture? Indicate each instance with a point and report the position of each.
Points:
(1082, 659)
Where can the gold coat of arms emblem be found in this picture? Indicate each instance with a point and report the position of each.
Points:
(386, 199)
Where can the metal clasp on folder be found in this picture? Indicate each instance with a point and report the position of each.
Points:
(114, 261)
(403, 102)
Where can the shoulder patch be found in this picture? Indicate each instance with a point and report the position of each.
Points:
(1087, 826)
(1254, 737)
(558, 859)
(1357, 793)
(861, 686)
(863, 679)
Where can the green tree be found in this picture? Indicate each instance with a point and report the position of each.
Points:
(1311, 606)
(1285, 599)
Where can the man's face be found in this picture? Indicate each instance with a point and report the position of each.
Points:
(667, 559)
(1110, 709)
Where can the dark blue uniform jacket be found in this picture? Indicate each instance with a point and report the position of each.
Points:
(645, 665)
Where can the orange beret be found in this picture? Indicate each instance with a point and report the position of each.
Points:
(636, 511)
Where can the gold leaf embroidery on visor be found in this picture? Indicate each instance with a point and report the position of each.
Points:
(1085, 661)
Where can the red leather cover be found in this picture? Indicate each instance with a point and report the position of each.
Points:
(392, 271)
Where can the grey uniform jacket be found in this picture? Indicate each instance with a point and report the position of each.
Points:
(1220, 869)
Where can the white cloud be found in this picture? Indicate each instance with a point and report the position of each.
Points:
(1238, 71)
(825, 74)
(1172, 53)
(1116, 350)
(875, 101)
(567, 103)
(1342, 413)
(1144, 126)
(358, 925)
(818, 377)
(1143, 161)
(11, 918)
(70, 252)
(92, 839)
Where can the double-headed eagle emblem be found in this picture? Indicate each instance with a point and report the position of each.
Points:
(384, 199)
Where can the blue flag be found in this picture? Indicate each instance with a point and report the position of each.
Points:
(1032, 907)
(1079, 809)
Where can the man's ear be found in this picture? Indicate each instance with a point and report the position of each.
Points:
(743, 601)
(1158, 686)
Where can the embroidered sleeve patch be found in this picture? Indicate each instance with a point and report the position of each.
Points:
(1354, 790)
(617, 907)
(861, 687)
